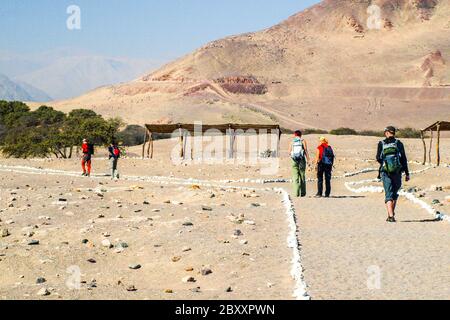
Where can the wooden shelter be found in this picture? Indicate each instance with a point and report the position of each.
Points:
(189, 129)
(436, 127)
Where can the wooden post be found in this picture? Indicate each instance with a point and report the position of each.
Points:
(230, 151)
(438, 146)
(145, 142)
(181, 143)
(424, 147)
(150, 145)
(279, 143)
(431, 146)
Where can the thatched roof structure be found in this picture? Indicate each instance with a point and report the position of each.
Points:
(436, 127)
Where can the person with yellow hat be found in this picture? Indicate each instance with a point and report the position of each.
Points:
(324, 166)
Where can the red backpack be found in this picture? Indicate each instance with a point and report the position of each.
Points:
(116, 151)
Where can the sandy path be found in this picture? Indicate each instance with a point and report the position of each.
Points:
(346, 238)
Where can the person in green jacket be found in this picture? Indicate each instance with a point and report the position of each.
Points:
(298, 150)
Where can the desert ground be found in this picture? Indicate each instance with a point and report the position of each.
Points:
(220, 231)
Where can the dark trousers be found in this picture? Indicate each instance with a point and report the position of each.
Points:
(324, 171)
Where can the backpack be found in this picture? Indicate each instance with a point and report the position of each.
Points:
(91, 148)
(116, 151)
(391, 158)
(298, 150)
(328, 156)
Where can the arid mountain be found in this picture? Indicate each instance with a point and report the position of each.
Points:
(356, 63)
(66, 73)
(10, 91)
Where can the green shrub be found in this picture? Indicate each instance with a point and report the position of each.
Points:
(344, 132)
(45, 132)
(409, 133)
(132, 135)
(371, 133)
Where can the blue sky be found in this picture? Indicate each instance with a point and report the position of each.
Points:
(151, 29)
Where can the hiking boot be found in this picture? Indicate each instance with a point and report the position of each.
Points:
(391, 220)
(318, 196)
(83, 174)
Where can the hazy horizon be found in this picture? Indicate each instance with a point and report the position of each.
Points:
(134, 29)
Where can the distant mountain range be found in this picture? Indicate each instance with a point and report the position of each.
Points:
(64, 73)
(12, 91)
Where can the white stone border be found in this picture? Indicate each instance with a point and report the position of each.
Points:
(408, 195)
(300, 292)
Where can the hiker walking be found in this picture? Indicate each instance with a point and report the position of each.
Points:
(324, 166)
(114, 155)
(393, 162)
(298, 150)
(86, 160)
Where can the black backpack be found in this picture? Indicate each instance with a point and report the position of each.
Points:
(91, 148)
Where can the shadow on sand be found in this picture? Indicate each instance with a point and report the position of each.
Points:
(422, 221)
(347, 197)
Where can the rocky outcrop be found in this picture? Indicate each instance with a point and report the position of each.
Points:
(242, 85)
(428, 66)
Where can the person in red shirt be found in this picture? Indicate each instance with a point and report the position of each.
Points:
(324, 167)
(86, 160)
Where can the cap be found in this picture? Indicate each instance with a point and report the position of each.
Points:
(390, 129)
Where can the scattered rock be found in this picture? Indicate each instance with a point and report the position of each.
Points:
(41, 280)
(188, 279)
(33, 242)
(134, 266)
(229, 289)
(122, 245)
(5, 233)
(238, 233)
(205, 271)
(131, 288)
(176, 259)
(43, 292)
(188, 224)
(84, 241)
(189, 269)
(196, 290)
(205, 208)
(91, 260)
(168, 291)
(107, 244)
(186, 249)
(435, 202)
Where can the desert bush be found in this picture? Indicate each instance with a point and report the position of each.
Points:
(344, 132)
(371, 133)
(132, 135)
(314, 131)
(409, 133)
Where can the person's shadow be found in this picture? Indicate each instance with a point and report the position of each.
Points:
(422, 221)
(347, 197)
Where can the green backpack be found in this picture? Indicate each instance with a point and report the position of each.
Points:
(391, 158)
